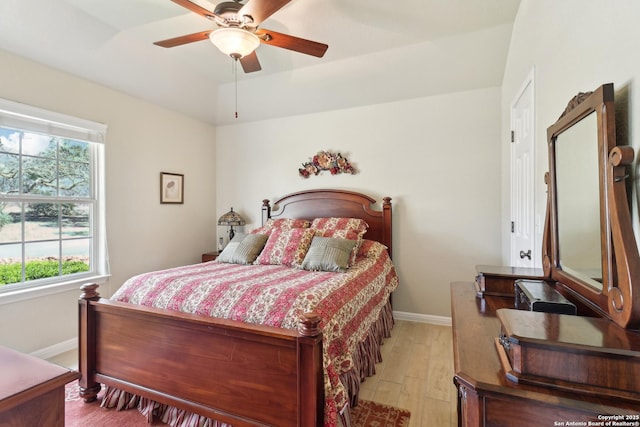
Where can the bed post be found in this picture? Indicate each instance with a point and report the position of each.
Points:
(89, 388)
(266, 211)
(386, 219)
(310, 380)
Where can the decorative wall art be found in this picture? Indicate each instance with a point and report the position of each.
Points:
(326, 161)
(171, 187)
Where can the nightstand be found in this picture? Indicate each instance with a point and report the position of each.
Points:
(209, 256)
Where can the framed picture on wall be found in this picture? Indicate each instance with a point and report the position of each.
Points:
(171, 187)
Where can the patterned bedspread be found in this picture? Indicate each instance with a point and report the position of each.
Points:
(349, 303)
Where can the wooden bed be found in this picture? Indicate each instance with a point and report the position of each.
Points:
(126, 346)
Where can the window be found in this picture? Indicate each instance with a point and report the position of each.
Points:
(52, 233)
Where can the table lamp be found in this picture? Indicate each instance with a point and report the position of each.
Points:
(231, 219)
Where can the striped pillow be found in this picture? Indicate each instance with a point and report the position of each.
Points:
(329, 254)
(286, 223)
(349, 224)
(286, 247)
(243, 248)
(344, 234)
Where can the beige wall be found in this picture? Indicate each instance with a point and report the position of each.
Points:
(437, 157)
(439, 173)
(573, 46)
(142, 141)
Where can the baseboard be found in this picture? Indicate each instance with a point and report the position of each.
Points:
(422, 318)
(56, 349)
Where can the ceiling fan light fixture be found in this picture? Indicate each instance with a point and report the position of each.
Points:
(234, 42)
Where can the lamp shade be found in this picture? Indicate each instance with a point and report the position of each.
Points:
(231, 218)
(234, 42)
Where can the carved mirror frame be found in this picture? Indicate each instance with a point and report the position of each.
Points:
(619, 296)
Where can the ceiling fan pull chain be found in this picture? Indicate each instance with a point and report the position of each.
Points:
(235, 75)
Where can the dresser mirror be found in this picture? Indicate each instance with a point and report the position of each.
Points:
(578, 201)
(589, 247)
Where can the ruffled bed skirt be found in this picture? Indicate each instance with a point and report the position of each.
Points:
(365, 357)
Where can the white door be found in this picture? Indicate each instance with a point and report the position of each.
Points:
(522, 184)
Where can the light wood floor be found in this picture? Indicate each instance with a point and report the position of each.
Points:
(416, 373)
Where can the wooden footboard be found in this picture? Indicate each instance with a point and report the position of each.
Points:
(234, 372)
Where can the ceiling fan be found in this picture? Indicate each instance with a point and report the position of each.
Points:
(238, 34)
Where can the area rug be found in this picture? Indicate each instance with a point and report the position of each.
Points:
(372, 414)
(80, 414)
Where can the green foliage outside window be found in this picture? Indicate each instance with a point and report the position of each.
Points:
(12, 273)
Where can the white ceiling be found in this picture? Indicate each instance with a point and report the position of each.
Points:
(424, 46)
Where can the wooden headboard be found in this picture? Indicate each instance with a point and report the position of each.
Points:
(312, 204)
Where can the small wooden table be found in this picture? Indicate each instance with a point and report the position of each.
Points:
(31, 390)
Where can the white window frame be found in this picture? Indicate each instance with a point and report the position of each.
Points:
(34, 119)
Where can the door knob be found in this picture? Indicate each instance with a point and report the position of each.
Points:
(524, 254)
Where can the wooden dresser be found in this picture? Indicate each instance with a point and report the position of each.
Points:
(486, 397)
(535, 367)
(31, 390)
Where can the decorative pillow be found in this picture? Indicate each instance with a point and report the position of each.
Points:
(286, 223)
(338, 234)
(286, 247)
(243, 248)
(328, 254)
(344, 234)
(371, 249)
(354, 224)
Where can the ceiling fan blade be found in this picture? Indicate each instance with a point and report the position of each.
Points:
(292, 43)
(189, 38)
(260, 10)
(195, 8)
(250, 63)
